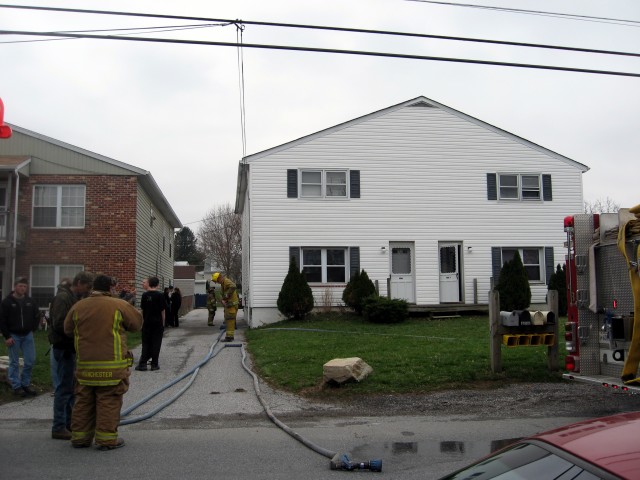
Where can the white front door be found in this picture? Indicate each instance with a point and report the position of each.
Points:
(402, 276)
(450, 281)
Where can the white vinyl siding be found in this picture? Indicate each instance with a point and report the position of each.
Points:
(423, 178)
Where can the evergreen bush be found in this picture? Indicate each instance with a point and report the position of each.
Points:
(295, 299)
(385, 310)
(359, 287)
(513, 285)
(558, 281)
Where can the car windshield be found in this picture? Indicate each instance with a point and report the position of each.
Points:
(523, 462)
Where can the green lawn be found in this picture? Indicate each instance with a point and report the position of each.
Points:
(41, 376)
(419, 355)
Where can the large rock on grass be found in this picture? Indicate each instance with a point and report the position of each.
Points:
(342, 370)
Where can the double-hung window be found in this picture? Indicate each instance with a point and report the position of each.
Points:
(323, 183)
(45, 278)
(58, 206)
(519, 187)
(531, 259)
(324, 265)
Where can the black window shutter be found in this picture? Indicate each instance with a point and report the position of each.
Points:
(496, 264)
(354, 183)
(292, 183)
(295, 253)
(547, 194)
(354, 260)
(492, 187)
(548, 260)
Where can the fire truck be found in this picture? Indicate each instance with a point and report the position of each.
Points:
(600, 297)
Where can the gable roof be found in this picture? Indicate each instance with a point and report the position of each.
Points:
(145, 178)
(418, 101)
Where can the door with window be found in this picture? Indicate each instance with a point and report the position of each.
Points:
(402, 283)
(450, 278)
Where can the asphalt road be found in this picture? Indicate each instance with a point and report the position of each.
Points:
(218, 429)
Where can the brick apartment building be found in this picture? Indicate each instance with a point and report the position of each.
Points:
(64, 209)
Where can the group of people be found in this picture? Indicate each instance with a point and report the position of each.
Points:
(173, 300)
(90, 359)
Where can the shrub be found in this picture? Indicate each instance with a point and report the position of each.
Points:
(385, 310)
(359, 287)
(558, 281)
(295, 299)
(513, 285)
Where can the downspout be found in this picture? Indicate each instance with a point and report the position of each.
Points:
(15, 230)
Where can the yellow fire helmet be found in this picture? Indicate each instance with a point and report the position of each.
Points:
(215, 276)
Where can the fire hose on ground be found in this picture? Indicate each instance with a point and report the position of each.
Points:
(338, 461)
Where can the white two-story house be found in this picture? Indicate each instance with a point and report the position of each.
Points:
(428, 200)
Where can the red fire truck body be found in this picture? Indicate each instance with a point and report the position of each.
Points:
(600, 300)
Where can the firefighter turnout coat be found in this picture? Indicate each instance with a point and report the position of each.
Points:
(98, 325)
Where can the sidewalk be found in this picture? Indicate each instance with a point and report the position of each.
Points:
(221, 388)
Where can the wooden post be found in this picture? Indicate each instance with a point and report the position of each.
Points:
(494, 331)
(552, 350)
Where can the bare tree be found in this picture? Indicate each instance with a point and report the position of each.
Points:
(601, 206)
(220, 237)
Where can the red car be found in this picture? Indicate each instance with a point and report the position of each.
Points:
(607, 448)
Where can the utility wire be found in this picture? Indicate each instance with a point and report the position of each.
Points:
(616, 21)
(239, 30)
(326, 50)
(173, 28)
(335, 29)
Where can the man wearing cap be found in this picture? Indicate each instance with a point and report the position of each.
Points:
(19, 317)
(229, 301)
(98, 325)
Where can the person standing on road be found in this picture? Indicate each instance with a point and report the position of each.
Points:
(211, 305)
(64, 351)
(19, 318)
(176, 303)
(98, 325)
(229, 302)
(153, 310)
(167, 299)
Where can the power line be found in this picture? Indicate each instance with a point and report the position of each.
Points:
(616, 21)
(171, 28)
(325, 50)
(329, 28)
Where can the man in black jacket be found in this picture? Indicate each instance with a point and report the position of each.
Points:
(64, 352)
(19, 317)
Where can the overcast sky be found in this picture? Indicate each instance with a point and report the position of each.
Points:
(175, 109)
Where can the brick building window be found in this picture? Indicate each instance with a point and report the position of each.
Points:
(58, 206)
(45, 279)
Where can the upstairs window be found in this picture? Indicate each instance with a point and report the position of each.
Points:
(519, 187)
(58, 206)
(323, 183)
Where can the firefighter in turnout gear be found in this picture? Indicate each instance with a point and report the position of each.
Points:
(98, 325)
(211, 305)
(229, 302)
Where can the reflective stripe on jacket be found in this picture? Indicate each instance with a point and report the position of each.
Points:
(99, 324)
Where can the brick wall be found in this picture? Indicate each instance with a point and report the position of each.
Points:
(107, 243)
